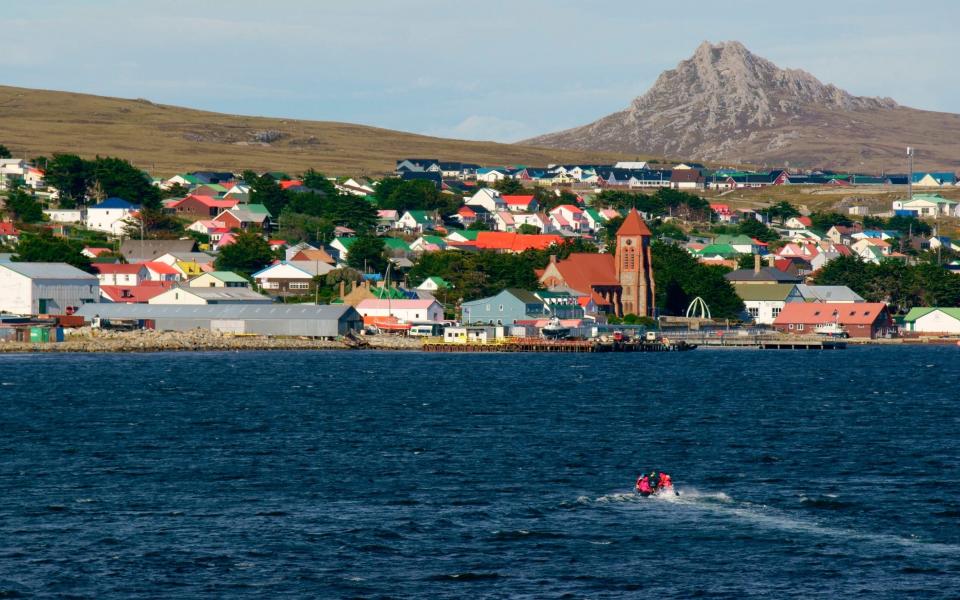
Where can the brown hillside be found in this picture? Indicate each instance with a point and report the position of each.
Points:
(168, 139)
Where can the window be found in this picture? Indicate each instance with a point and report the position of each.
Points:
(754, 311)
(272, 285)
(799, 326)
(299, 285)
(776, 311)
(791, 326)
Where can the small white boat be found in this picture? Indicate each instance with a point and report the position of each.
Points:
(554, 329)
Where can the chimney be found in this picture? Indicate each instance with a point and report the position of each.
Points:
(553, 259)
(756, 263)
(343, 287)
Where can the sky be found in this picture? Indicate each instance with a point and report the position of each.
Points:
(491, 70)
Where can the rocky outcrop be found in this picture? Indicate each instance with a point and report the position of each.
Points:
(726, 104)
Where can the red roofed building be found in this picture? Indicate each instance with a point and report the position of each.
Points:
(520, 203)
(200, 207)
(860, 319)
(503, 241)
(137, 294)
(621, 283)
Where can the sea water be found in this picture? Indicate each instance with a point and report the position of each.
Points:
(361, 474)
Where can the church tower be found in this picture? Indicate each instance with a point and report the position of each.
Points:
(634, 269)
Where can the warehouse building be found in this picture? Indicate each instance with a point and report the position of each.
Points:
(327, 321)
(45, 288)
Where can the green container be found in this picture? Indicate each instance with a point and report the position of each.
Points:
(39, 335)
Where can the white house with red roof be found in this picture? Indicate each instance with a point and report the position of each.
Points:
(798, 223)
(120, 274)
(135, 294)
(158, 271)
(410, 311)
(520, 203)
(567, 217)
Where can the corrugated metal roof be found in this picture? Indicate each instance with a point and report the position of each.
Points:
(214, 311)
(36, 270)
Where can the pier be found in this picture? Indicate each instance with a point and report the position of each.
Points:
(554, 346)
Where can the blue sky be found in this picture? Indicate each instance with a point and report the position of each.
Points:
(496, 69)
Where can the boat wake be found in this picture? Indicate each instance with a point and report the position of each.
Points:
(719, 504)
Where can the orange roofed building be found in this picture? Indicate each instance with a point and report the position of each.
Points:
(621, 283)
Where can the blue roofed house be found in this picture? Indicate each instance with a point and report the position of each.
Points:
(505, 308)
(110, 215)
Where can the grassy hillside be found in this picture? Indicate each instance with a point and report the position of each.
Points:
(168, 139)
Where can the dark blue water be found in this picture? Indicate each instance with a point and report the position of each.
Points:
(404, 475)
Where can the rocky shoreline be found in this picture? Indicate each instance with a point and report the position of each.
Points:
(89, 340)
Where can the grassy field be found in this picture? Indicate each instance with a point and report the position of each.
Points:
(168, 139)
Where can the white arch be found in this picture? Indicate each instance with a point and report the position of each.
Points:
(698, 309)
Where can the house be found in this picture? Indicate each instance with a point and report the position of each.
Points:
(840, 234)
(128, 275)
(418, 221)
(567, 217)
(409, 311)
(687, 179)
(275, 319)
(135, 294)
(158, 271)
(872, 249)
(509, 242)
(490, 199)
(9, 234)
(246, 217)
(45, 288)
(860, 320)
(760, 275)
(311, 255)
(798, 223)
(492, 175)
(110, 216)
(505, 308)
(134, 251)
(933, 320)
(520, 203)
(209, 295)
(64, 215)
(934, 179)
(434, 284)
(427, 243)
(200, 207)
(355, 188)
(837, 294)
(927, 205)
(288, 279)
(418, 165)
(764, 302)
(219, 279)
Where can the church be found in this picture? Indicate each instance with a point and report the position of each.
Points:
(621, 283)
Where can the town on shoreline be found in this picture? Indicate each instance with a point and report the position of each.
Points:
(95, 252)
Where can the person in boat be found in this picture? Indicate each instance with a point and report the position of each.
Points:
(665, 482)
(643, 486)
(654, 480)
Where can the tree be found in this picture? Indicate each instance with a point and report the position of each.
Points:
(156, 225)
(69, 175)
(43, 246)
(824, 221)
(318, 181)
(5, 152)
(266, 191)
(247, 255)
(746, 261)
(781, 211)
(680, 278)
(24, 206)
(117, 178)
(305, 227)
(508, 187)
(478, 225)
(610, 229)
(528, 229)
(367, 253)
(177, 190)
(755, 229)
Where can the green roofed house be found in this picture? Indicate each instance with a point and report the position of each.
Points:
(933, 320)
(396, 246)
(461, 236)
(418, 221)
(718, 251)
(742, 244)
(433, 284)
(764, 302)
(219, 279)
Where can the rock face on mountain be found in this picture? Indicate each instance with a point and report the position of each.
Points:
(726, 104)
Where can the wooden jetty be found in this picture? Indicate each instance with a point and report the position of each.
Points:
(564, 346)
(770, 342)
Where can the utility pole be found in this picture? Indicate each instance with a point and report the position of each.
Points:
(910, 173)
